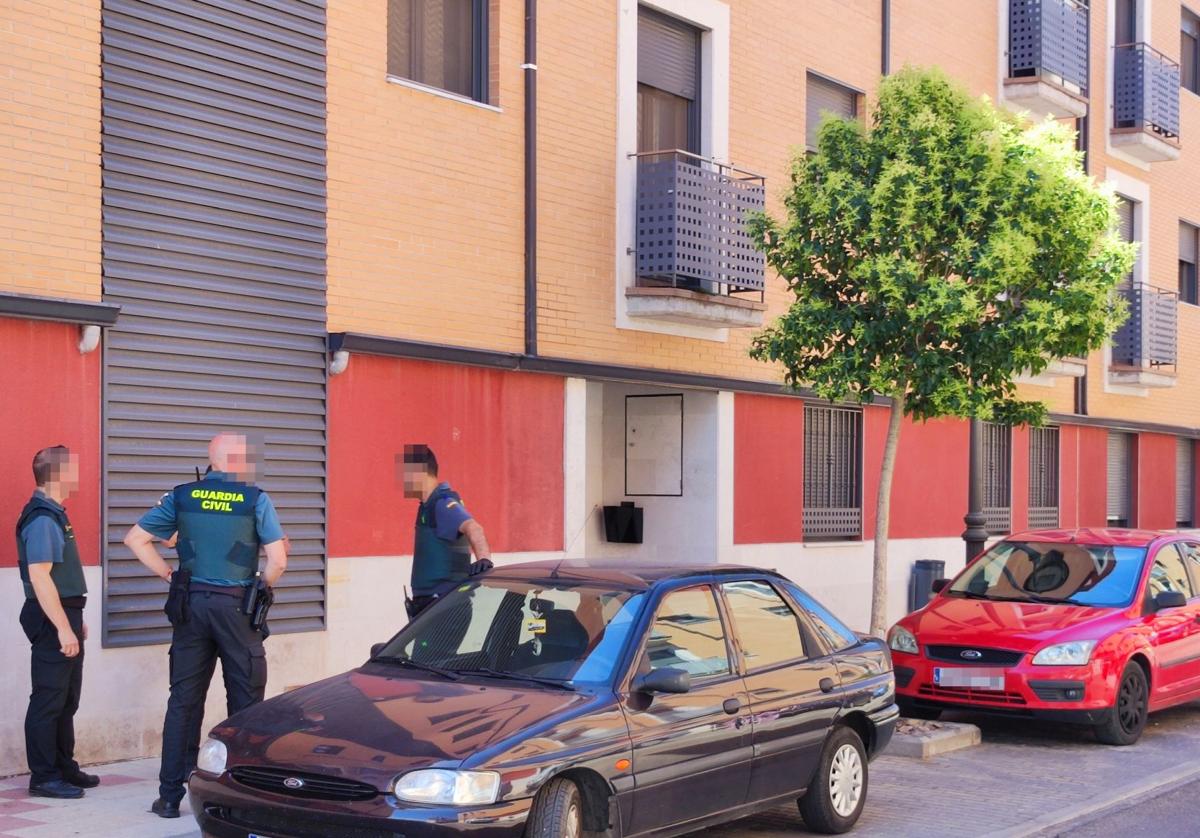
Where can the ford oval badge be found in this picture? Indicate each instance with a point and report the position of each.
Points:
(294, 783)
(971, 654)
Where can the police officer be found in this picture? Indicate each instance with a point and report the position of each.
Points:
(52, 619)
(446, 534)
(221, 522)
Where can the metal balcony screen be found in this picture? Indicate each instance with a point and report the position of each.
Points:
(691, 224)
(832, 473)
(1149, 337)
(1043, 478)
(824, 96)
(1185, 482)
(1145, 90)
(997, 477)
(1049, 38)
(1118, 505)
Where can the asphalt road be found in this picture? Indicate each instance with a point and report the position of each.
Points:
(1175, 814)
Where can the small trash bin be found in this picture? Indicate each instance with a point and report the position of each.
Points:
(920, 587)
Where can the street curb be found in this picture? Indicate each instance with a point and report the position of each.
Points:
(952, 736)
(1161, 781)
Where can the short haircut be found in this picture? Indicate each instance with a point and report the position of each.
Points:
(421, 455)
(48, 462)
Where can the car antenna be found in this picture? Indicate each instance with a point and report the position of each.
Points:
(574, 538)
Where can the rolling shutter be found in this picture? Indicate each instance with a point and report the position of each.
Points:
(1185, 481)
(997, 477)
(1125, 227)
(1043, 478)
(1118, 479)
(668, 54)
(822, 96)
(214, 245)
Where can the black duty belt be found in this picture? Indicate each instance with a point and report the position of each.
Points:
(235, 591)
(74, 601)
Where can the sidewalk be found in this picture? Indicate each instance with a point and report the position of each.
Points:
(1024, 780)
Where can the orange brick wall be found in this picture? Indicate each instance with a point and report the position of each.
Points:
(50, 147)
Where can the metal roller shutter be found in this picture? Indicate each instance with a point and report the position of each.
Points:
(214, 245)
(668, 54)
(821, 96)
(997, 477)
(1118, 479)
(1185, 481)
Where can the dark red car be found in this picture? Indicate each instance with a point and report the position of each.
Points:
(1092, 626)
(557, 699)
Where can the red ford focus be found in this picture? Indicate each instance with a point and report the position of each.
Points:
(1095, 627)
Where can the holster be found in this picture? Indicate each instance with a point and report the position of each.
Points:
(177, 608)
(264, 599)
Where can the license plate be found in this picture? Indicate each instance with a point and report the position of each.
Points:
(974, 678)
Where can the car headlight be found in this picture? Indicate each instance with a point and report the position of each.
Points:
(212, 757)
(902, 640)
(448, 788)
(1076, 653)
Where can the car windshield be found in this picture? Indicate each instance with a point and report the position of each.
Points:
(1098, 575)
(560, 632)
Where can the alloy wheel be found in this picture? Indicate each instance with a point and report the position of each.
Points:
(846, 780)
(1131, 704)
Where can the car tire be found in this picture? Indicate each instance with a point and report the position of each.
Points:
(557, 812)
(912, 711)
(1126, 719)
(835, 799)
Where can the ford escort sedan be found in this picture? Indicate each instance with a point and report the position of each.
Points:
(1096, 627)
(563, 699)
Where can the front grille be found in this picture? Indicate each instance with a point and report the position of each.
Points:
(275, 821)
(972, 695)
(314, 787)
(988, 657)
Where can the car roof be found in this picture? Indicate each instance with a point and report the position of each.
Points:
(632, 572)
(1106, 536)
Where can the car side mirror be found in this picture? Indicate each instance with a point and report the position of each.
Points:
(666, 680)
(1169, 599)
(376, 648)
(939, 585)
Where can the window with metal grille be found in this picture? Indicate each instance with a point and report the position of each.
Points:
(997, 477)
(1189, 51)
(824, 96)
(1185, 482)
(1188, 292)
(1119, 484)
(1043, 478)
(832, 473)
(440, 43)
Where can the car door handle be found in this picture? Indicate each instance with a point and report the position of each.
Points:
(826, 685)
(731, 706)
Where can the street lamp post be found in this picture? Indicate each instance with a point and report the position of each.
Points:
(975, 535)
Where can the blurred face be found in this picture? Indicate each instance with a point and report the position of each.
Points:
(235, 455)
(68, 476)
(413, 478)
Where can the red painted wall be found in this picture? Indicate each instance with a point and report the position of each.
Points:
(768, 469)
(1068, 476)
(1156, 481)
(498, 437)
(929, 489)
(1091, 476)
(1019, 479)
(51, 397)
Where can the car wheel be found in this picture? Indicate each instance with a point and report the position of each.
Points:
(838, 793)
(912, 711)
(1126, 719)
(557, 812)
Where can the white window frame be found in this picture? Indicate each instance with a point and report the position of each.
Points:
(1137, 191)
(1110, 34)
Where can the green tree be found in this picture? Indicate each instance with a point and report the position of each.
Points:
(934, 255)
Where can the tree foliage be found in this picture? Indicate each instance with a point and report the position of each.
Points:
(938, 253)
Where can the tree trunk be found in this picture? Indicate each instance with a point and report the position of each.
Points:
(883, 508)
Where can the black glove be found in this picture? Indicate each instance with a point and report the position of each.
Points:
(481, 566)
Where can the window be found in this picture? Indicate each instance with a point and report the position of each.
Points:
(668, 84)
(765, 626)
(1169, 573)
(823, 96)
(687, 634)
(997, 477)
(1191, 555)
(1189, 51)
(1043, 478)
(832, 473)
(832, 630)
(1126, 210)
(440, 43)
(1126, 20)
(1185, 482)
(1188, 292)
(1119, 446)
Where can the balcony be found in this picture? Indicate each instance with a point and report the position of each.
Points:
(1145, 348)
(696, 261)
(1055, 369)
(1145, 103)
(1048, 57)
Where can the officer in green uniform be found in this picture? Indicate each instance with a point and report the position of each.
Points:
(52, 618)
(221, 522)
(446, 534)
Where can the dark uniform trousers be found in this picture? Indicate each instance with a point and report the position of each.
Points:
(56, 681)
(216, 628)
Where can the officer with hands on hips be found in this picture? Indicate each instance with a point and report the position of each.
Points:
(222, 520)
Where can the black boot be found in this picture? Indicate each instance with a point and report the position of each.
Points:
(165, 808)
(57, 789)
(82, 779)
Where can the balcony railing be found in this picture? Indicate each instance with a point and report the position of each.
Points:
(691, 224)
(1149, 338)
(1146, 91)
(1048, 39)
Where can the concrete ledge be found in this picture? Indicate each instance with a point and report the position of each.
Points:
(922, 740)
(1144, 144)
(1042, 98)
(1140, 377)
(684, 306)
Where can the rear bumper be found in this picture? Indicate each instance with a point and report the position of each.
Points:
(884, 722)
(224, 809)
